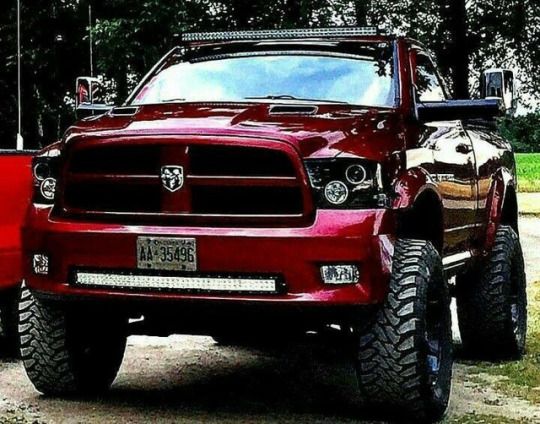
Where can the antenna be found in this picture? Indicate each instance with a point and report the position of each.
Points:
(20, 140)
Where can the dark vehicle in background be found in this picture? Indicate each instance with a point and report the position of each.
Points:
(262, 185)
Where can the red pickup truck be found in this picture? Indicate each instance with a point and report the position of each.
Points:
(15, 192)
(269, 184)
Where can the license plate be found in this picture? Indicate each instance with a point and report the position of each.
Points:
(167, 254)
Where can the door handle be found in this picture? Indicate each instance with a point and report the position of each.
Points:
(464, 148)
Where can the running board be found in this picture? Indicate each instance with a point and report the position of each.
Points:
(456, 261)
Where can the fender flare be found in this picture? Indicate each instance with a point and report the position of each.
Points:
(503, 182)
(411, 185)
(414, 188)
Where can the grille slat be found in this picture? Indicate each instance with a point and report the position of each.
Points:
(239, 161)
(247, 200)
(221, 182)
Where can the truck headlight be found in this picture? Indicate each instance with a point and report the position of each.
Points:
(47, 188)
(344, 183)
(356, 174)
(336, 192)
(45, 171)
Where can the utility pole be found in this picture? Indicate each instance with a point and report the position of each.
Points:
(20, 140)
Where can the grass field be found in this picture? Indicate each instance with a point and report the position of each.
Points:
(521, 378)
(528, 169)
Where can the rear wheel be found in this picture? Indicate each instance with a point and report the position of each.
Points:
(404, 360)
(9, 316)
(492, 302)
(68, 352)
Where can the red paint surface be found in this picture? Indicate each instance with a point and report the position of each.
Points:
(296, 254)
(15, 192)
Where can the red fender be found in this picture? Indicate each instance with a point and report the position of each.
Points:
(410, 186)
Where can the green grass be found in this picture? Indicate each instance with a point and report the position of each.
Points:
(521, 378)
(528, 170)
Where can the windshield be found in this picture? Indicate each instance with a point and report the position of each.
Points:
(275, 76)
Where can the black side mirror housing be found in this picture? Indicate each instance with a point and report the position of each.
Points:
(452, 110)
(88, 109)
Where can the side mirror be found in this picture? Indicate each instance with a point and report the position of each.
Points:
(88, 98)
(453, 110)
(500, 84)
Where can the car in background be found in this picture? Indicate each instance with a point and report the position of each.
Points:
(15, 195)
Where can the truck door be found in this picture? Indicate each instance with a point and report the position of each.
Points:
(453, 169)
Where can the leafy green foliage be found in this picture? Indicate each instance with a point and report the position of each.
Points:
(523, 132)
(131, 35)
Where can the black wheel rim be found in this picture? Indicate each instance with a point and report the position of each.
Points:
(517, 303)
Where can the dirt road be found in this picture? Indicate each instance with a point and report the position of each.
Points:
(191, 379)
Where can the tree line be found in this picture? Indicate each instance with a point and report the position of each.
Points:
(130, 35)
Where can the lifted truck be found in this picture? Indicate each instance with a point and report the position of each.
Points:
(264, 184)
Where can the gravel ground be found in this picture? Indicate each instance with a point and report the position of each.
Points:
(191, 379)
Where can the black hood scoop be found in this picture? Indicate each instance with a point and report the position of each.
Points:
(293, 110)
(124, 111)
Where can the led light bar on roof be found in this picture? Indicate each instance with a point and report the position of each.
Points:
(280, 34)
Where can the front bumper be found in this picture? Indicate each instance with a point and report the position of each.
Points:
(296, 254)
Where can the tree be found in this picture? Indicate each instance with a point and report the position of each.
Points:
(131, 35)
(454, 53)
(52, 32)
(361, 10)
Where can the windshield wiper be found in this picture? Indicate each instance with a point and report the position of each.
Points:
(289, 97)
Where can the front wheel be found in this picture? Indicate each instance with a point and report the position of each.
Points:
(404, 359)
(66, 352)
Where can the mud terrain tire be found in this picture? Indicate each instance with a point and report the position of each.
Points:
(404, 362)
(66, 353)
(492, 302)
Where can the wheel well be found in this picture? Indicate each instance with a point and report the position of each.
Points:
(424, 221)
(509, 213)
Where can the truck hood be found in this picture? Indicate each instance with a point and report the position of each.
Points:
(327, 130)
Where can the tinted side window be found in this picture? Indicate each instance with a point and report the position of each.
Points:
(428, 85)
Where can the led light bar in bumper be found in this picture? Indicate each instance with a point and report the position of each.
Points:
(280, 34)
(176, 283)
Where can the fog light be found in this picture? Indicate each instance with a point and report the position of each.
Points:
(48, 188)
(340, 274)
(40, 264)
(336, 192)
